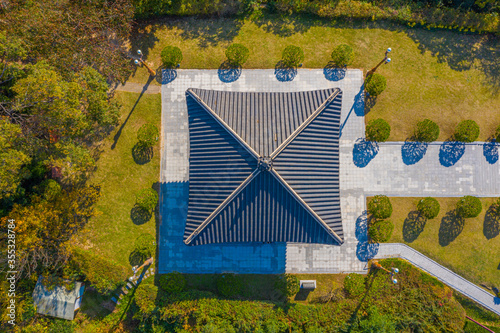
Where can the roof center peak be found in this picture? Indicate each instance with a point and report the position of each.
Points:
(265, 163)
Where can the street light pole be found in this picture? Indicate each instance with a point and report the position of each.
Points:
(386, 60)
(151, 71)
(393, 270)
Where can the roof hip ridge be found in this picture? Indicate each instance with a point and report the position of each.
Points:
(306, 123)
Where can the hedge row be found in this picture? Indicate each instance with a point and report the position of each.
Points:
(409, 13)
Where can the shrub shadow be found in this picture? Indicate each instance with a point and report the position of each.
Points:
(168, 75)
(363, 152)
(413, 151)
(491, 225)
(451, 152)
(284, 73)
(366, 251)
(451, 226)
(140, 216)
(333, 73)
(141, 155)
(413, 226)
(359, 102)
(302, 295)
(490, 151)
(361, 232)
(228, 73)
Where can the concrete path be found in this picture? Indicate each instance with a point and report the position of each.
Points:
(395, 250)
(139, 88)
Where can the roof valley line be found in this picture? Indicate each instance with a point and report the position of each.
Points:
(265, 162)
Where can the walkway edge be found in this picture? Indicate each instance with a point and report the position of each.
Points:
(403, 251)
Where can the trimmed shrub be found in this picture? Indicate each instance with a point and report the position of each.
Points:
(171, 56)
(145, 297)
(229, 285)
(378, 130)
(343, 55)
(147, 199)
(288, 284)
(497, 134)
(427, 131)
(147, 135)
(467, 131)
(145, 245)
(380, 207)
(354, 285)
(375, 84)
(103, 274)
(173, 282)
(469, 206)
(237, 54)
(428, 207)
(293, 56)
(380, 231)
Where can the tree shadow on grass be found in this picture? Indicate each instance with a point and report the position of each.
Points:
(228, 73)
(136, 259)
(413, 226)
(491, 226)
(370, 102)
(413, 151)
(451, 226)
(451, 152)
(142, 155)
(302, 295)
(363, 152)
(333, 73)
(284, 73)
(139, 215)
(490, 151)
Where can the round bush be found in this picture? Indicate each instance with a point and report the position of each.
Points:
(147, 199)
(467, 131)
(288, 284)
(145, 297)
(375, 84)
(497, 134)
(293, 56)
(378, 130)
(354, 285)
(145, 245)
(229, 285)
(171, 56)
(427, 131)
(173, 282)
(469, 206)
(237, 54)
(428, 207)
(380, 231)
(380, 207)
(148, 135)
(50, 189)
(343, 55)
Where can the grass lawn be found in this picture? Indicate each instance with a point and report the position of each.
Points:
(113, 232)
(466, 250)
(438, 74)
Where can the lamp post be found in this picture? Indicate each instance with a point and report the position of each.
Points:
(151, 72)
(386, 60)
(393, 270)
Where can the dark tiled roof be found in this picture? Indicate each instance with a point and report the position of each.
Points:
(264, 167)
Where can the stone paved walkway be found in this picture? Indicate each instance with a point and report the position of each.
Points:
(443, 274)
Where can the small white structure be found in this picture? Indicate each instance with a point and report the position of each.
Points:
(308, 284)
(58, 302)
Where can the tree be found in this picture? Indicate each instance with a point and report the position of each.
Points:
(380, 231)
(147, 135)
(375, 84)
(173, 282)
(428, 207)
(145, 246)
(145, 297)
(288, 284)
(343, 55)
(375, 322)
(237, 54)
(147, 199)
(467, 131)
(469, 206)
(378, 130)
(427, 131)
(497, 134)
(292, 56)
(380, 207)
(171, 56)
(74, 163)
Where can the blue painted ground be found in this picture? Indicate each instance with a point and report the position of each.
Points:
(174, 255)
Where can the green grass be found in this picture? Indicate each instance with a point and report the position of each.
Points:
(112, 233)
(442, 75)
(471, 254)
